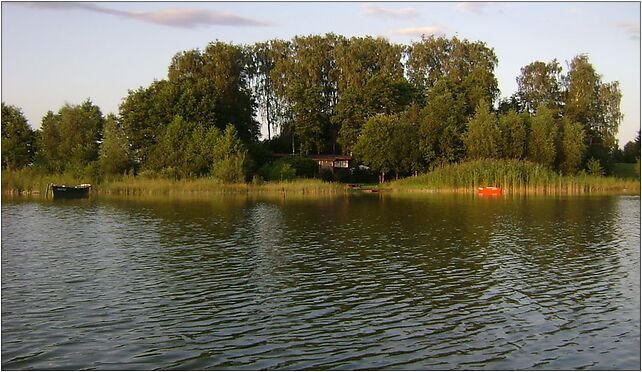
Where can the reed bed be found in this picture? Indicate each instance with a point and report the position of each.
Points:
(31, 181)
(514, 177)
(142, 186)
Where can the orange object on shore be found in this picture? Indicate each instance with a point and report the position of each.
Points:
(489, 190)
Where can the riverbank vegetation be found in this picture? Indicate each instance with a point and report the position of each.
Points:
(432, 108)
(514, 177)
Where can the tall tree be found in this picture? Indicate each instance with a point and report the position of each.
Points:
(572, 146)
(409, 155)
(482, 138)
(442, 126)
(542, 137)
(512, 135)
(71, 138)
(311, 79)
(271, 106)
(144, 114)
(541, 83)
(467, 65)
(371, 82)
(595, 105)
(18, 139)
(227, 66)
(379, 95)
(114, 153)
(309, 123)
(376, 145)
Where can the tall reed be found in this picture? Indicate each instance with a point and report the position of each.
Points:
(33, 181)
(142, 186)
(513, 176)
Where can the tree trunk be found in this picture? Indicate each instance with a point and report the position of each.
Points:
(267, 111)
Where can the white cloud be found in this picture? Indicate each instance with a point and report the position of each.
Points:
(183, 18)
(377, 11)
(472, 6)
(630, 28)
(421, 31)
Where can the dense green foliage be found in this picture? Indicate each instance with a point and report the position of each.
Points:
(482, 139)
(398, 109)
(18, 139)
(114, 153)
(288, 168)
(70, 139)
(229, 157)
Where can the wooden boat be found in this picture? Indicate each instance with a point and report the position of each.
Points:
(487, 191)
(70, 192)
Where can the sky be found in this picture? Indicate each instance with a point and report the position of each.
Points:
(65, 52)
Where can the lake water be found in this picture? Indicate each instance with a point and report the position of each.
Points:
(360, 282)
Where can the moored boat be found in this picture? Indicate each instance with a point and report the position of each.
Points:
(70, 192)
(489, 190)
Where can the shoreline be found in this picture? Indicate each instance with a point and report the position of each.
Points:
(514, 177)
(323, 189)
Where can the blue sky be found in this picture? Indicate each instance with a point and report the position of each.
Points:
(53, 53)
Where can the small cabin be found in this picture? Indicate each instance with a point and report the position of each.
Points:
(332, 162)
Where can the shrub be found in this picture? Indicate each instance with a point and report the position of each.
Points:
(282, 171)
(289, 167)
(230, 169)
(595, 167)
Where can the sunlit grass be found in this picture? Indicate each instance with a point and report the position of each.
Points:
(32, 181)
(141, 186)
(512, 176)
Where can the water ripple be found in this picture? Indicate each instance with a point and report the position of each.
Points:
(358, 283)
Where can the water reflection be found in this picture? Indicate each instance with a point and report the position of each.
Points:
(367, 281)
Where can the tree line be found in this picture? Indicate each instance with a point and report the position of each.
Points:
(399, 109)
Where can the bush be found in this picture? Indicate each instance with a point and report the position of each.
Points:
(595, 167)
(282, 171)
(304, 167)
(230, 169)
(289, 167)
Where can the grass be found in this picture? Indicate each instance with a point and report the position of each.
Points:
(513, 177)
(141, 186)
(29, 181)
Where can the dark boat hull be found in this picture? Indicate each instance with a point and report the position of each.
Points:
(70, 192)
